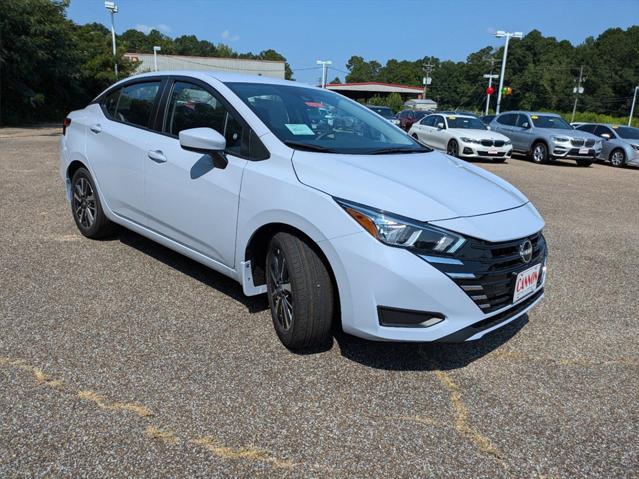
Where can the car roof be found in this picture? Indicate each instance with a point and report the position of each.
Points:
(544, 113)
(224, 77)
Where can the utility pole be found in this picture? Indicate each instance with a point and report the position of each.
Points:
(428, 68)
(155, 57)
(490, 77)
(507, 36)
(325, 64)
(632, 108)
(113, 8)
(578, 90)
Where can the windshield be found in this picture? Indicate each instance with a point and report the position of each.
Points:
(627, 132)
(547, 121)
(465, 122)
(320, 120)
(383, 110)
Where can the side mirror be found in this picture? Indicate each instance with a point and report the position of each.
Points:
(440, 126)
(605, 136)
(488, 127)
(202, 140)
(525, 125)
(206, 141)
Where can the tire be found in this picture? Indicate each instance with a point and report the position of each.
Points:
(300, 293)
(86, 207)
(540, 153)
(585, 162)
(617, 158)
(453, 148)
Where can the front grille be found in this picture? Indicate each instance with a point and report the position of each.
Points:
(489, 270)
(485, 153)
(487, 142)
(590, 143)
(575, 152)
(577, 142)
(499, 143)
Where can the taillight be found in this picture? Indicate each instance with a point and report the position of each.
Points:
(67, 122)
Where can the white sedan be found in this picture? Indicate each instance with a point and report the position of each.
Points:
(463, 136)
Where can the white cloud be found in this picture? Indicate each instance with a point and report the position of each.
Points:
(226, 35)
(147, 28)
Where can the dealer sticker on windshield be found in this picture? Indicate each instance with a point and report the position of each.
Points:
(299, 129)
(526, 282)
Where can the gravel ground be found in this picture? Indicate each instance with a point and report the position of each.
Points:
(122, 358)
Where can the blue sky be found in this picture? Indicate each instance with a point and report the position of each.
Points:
(307, 30)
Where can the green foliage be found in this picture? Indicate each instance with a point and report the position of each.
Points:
(49, 65)
(541, 71)
(393, 100)
(589, 117)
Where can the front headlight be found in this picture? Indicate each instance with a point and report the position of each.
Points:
(469, 140)
(559, 139)
(394, 230)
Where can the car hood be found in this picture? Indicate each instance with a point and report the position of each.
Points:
(423, 186)
(570, 133)
(478, 134)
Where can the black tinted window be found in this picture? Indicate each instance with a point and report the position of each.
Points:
(522, 121)
(191, 106)
(136, 103)
(604, 129)
(507, 119)
(588, 128)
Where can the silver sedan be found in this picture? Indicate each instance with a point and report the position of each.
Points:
(621, 143)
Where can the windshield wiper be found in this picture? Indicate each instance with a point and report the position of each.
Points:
(385, 151)
(308, 147)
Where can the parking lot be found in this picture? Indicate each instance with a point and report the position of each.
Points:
(122, 358)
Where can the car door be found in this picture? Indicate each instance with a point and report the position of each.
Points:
(521, 133)
(607, 145)
(440, 134)
(188, 197)
(422, 129)
(503, 123)
(120, 125)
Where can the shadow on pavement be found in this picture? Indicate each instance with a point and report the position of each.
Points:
(380, 355)
(195, 270)
(425, 356)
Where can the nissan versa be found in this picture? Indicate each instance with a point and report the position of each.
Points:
(344, 218)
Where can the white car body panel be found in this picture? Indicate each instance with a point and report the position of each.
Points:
(211, 214)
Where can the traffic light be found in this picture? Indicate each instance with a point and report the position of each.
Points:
(506, 91)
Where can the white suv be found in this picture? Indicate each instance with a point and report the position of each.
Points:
(307, 196)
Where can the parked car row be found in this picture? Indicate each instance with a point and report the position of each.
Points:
(620, 144)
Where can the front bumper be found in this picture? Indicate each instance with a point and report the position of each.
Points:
(473, 150)
(567, 151)
(380, 277)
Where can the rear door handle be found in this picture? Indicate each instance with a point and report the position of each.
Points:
(157, 156)
(96, 128)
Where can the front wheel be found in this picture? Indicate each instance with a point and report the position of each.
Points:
(453, 148)
(300, 292)
(618, 158)
(540, 152)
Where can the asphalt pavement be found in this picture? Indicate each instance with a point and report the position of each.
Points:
(122, 358)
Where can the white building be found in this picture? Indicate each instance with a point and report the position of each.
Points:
(423, 105)
(267, 68)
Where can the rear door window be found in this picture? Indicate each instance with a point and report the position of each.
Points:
(136, 102)
(588, 128)
(507, 119)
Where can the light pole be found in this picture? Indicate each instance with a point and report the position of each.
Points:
(113, 8)
(155, 57)
(325, 64)
(507, 36)
(490, 77)
(632, 108)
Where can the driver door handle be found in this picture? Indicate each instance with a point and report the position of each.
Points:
(97, 128)
(157, 156)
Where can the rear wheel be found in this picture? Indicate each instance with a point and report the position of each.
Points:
(540, 152)
(300, 292)
(86, 207)
(618, 158)
(584, 162)
(453, 148)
